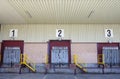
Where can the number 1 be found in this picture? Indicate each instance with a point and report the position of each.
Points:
(13, 33)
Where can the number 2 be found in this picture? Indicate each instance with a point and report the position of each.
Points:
(59, 33)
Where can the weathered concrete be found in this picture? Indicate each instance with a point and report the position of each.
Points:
(57, 76)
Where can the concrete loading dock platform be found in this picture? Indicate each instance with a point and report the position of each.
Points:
(58, 76)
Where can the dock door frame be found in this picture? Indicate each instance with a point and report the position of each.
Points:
(59, 43)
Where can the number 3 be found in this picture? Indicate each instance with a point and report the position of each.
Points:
(109, 33)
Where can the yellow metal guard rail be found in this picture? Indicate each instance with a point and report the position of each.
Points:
(100, 58)
(26, 61)
(75, 59)
(46, 59)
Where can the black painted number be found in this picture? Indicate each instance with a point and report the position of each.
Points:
(13, 33)
(59, 33)
(109, 33)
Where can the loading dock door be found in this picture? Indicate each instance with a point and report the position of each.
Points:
(11, 55)
(111, 55)
(59, 55)
(11, 50)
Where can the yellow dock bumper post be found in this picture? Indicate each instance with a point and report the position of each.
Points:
(21, 62)
(75, 61)
(103, 64)
(46, 59)
(101, 61)
(46, 63)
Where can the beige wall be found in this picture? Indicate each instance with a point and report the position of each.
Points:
(36, 51)
(75, 32)
(87, 52)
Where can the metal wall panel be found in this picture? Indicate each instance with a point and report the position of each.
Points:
(75, 32)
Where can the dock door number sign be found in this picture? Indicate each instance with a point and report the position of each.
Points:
(13, 33)
(59, 33)
(108, 33)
